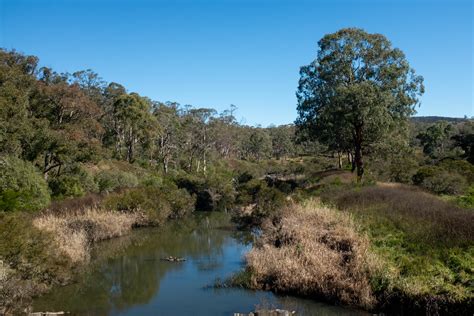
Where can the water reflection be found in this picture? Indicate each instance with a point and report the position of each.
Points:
(128, 277)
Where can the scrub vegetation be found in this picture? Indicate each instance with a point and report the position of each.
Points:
(358, 202)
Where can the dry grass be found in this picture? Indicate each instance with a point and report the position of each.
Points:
(74, 233)
(427, 245)
(314, 251)
(78, 204)
(425, 216)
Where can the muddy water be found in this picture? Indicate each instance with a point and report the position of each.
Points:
(128, 277)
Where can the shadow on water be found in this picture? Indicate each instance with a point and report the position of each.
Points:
(128, 277)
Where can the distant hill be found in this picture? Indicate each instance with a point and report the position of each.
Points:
(433, 119)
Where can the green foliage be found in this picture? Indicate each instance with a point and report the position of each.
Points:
(434, 139)
(181, 201)
(465, 140)
(258, 145)
(133, 113)
(29, 251)
(151, 180)
(22, 187)
(467, 200)
(214, 192)
(282, 141)
(110, 180)
(17, 126)
(439, 180)
(425, 243)
(261, 200)
(158, 204)
(75, 182)
(345, 96)
(461, 167)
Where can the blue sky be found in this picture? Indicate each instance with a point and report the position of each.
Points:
(243, 52)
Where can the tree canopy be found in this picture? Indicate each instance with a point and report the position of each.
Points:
(357, 90)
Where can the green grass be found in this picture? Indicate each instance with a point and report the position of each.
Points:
(425, 244)
(416, 268)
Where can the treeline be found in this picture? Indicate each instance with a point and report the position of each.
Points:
(53, 124)
(55, 118)
(58, 121)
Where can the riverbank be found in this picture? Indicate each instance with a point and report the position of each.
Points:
(389, 248)
(50, 248)
(375, 247)
(127, 276)
(47, 249)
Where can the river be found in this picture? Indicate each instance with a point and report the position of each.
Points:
(127, 276)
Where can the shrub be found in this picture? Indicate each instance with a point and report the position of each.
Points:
(151, 180)
(214, 192)
(258, 202)
(401, 169)
(75, 182)
(467, 200)
(180, 200)
(29, 260)
(110, 180)
(22, 187)
(158, 204)
(440, 181)
(461, 167)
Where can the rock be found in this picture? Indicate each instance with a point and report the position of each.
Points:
(173, 259)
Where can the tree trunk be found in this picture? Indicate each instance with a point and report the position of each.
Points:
(352, 161)
(359, 164)
(165, 165)
(339, 159)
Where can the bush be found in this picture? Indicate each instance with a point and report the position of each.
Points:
(258, 202)
(180, 200)
(158, 204)
(151, 180)
(215, 192)
(440, 181)
(75, 182)
(22, 187)
(462, 167)
(32, 260)
(110, 180)
(467, 200)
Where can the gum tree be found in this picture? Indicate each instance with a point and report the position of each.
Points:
(357, 91)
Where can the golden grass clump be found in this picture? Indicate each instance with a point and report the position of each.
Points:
(314, 251)
(74, 233)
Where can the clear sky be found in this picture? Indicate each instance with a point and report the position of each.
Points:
(243, 52)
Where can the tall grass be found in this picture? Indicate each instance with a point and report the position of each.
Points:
(314, 251)
(423, 216)
(427, 245)
(74, 232)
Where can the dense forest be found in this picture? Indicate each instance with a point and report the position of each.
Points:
(77, 153)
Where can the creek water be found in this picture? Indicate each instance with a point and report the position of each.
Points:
(127, 275)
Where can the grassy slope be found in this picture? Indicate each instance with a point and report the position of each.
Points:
(423, 245)
(427, 244)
